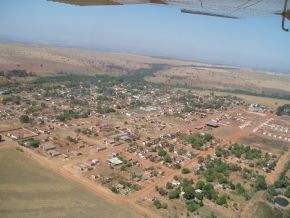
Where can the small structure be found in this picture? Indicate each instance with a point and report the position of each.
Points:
(95, 161)
(48, 146)
(99, 149)
(53, 153)
(115, 161)
(212, 124)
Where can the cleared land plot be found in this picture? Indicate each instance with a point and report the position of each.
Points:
(270, 102)
(267, 144)
(29, 190)
(262, 209)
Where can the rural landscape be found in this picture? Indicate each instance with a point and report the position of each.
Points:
(84, 131)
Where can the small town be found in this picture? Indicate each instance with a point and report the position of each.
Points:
(173, 150)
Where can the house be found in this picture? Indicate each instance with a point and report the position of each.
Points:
(115, 161)
(98, 149)
(212, 124)
(48, 146)
(53, 153)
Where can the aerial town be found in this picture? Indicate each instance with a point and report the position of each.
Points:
(175, 152)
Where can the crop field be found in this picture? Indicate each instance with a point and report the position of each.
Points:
(29, 190)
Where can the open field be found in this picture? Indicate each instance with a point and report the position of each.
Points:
(262, 209)
(267, 101)
(224, 78)
(269, 145)
(29, 190)
(46, 60)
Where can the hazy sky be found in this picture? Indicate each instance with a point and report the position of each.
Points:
(147, 29)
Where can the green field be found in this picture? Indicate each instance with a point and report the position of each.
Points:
(28, 190)
(263, 210)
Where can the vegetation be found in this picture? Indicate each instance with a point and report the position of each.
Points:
(239, 151)
(158, 204)
(283, 183)
(11, 99)
(24, 119)
(35, 143)
(174, 194)
(185, 170)
(217, 170)
(283, 110)
(197, 140)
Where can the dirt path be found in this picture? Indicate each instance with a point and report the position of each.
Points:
(250, 206)
(274, 175)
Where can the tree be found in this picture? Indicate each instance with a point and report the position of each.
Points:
(169, 185)
(185, 171)
(287, 193)
(199, 185)
(162, 152)
(207, 137)
(162, 191)
(24, 119)
(177, 166)
(157, 204)
(0, 138)
(209, 191)
(221, 200)
(174, 194)
(167, 159)
(192, 206)
(35, 143)
(261, 183)
(189, 192)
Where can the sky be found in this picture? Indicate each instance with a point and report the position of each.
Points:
(148, 29)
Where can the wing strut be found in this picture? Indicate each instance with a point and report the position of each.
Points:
(284, 16)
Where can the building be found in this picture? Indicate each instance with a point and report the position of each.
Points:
(53, 153)
(115, 161)
(212, 124)
(48, 146)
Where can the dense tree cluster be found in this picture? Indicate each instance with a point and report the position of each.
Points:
(283, 110)
(197, 140)
(239, 151)
(24, 119)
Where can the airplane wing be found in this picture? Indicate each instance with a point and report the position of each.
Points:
(233, 9)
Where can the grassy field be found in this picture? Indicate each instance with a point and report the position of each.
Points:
(28, 190)
(262, 209)
(270, 102)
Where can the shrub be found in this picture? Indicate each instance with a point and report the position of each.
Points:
(221, 200)
(169, 185)
(185, 171)
(287, 193)
(199, 185)
(261, 183)
(157, 204)
(192, 206)
(35, 143)
(174, 194)
(24, 119)
(162, 191)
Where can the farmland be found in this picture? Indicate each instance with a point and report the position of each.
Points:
(30, 190)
